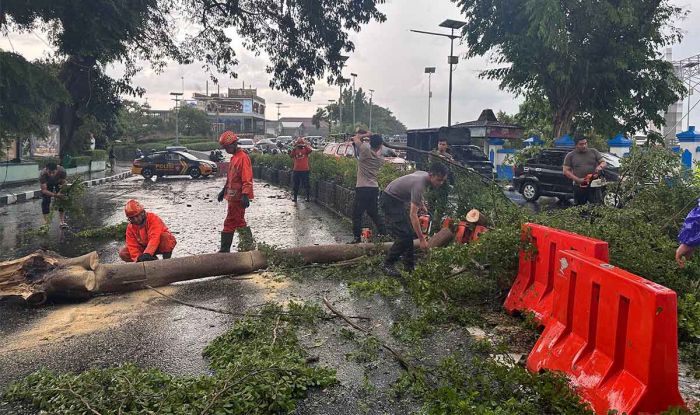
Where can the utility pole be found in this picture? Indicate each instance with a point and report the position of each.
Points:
(371, 93)
(354, 76)
(430, 71)
(177, 121)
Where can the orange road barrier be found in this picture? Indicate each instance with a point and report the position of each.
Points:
(532, 289)
(613, 334)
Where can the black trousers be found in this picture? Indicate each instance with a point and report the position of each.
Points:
(301, 178)
(583, 195)
(399, 226)
(46, 200)
(366, 201)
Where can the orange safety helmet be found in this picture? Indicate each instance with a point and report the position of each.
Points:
(227, 138)
(133, 208)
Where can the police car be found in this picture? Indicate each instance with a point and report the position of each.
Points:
(172, 163)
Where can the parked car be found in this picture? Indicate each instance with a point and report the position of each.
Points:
(284, 140)
(172, 163)
(472, 156)
(266, 146)
(338, 150)
(246, 144)
(347, 149)
(543, 175)
(316, 141)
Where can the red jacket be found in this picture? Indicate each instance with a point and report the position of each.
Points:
(301, 158)
(151, 237)
(239, 180)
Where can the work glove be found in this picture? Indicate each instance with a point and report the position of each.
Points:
(146, 257)
(245, 201)
(222, 193)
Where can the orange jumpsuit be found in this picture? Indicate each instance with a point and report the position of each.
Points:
(239, 182)
(152, 237)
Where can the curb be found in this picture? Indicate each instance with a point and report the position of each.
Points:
(9, 199)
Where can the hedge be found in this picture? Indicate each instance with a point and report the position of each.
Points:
(97, 155)
(43, 161)
(82, 160)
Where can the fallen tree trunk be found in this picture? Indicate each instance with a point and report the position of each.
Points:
(45, 274)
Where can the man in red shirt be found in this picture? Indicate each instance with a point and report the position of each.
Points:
(146, 235)
(300, 155)
(238, 191)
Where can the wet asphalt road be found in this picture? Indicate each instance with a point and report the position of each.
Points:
(152, 331)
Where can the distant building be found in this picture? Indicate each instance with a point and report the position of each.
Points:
(301, 126)
(240, 110)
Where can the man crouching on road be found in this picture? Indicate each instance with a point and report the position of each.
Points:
(146, 235)
(238, 191)
(578, 166)
(402, 220)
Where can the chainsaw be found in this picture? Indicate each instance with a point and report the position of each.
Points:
(594, 180)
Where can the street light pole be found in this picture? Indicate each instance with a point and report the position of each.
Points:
(371, 94)
(430, 70)
(177, 116)
(279, 129)
(451, 60)
(354, 122)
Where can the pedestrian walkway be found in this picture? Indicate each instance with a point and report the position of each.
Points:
(28, 191)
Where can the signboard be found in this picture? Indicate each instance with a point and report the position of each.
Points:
(248, 106)
(510, 133)
(48, 146)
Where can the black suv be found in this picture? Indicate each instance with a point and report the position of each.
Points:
(543, 175)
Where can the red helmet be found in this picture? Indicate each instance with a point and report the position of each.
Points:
(133, 208)
(227, 138)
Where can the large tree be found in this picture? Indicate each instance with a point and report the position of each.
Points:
(383, 120)
(28, 94)
(600, 58)
(304, 40)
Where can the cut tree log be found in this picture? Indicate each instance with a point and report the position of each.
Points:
(46, 275)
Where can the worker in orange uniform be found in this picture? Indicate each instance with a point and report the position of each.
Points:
(146, 235)
(238, 191)
(300, 170)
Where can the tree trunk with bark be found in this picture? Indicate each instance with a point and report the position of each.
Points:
(46, 275)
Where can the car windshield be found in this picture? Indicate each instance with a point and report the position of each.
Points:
(187, 156)
(612, 160)
(245, 142)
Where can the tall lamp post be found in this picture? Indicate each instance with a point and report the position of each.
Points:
(451, 60)
(279, 127)
(341, 82)
(354, 76)
(371, 94)
(430, 70)
(177, 121)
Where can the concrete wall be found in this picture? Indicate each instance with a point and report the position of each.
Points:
(18, 172)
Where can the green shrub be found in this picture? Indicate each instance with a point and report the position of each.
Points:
(97, 155)
(43, 161)
(82, 160)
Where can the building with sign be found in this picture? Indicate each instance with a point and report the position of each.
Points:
(240, 110)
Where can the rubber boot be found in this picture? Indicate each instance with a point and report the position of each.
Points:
(226, 241)
(245, 240)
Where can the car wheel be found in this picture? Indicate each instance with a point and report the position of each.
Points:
(147, 173)
(611, 199)
(194, 172)
(530, 191)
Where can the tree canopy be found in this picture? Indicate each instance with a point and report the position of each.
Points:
(304, 40)
(383, 120)
(597, 58)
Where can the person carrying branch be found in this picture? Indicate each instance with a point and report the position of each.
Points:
(52, 178)
(146, 235)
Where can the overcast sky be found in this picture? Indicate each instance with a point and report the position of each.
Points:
(388, 58)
